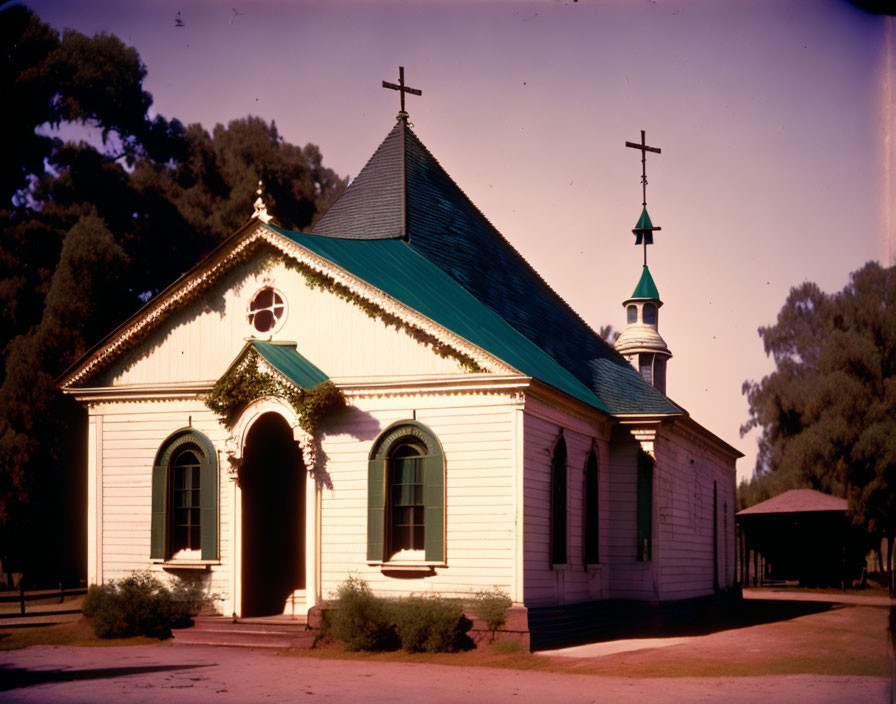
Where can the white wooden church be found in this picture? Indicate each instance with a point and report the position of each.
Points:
(486, 435)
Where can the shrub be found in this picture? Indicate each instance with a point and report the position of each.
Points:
(139, 604)
(431, 624)
(359, 619)
(490, 606)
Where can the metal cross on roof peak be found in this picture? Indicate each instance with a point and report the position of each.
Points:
(644, 149)
(644, 230)
(402, 89)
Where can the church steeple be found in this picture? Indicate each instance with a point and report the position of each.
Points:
(640, 342)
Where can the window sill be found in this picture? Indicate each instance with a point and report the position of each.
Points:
(187, 564)
(408, 567)
(560, 567)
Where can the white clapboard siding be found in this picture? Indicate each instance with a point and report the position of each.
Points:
(132, 433)
(476, 433)
(201, 340)
(546, 584)
(686, 476)
(628, 578)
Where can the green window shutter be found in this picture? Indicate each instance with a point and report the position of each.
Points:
(376, 508)
(208, 503)
(645, 505)
(434, 507)
(159, 505)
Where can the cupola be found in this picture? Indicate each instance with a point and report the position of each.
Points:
(640, 341)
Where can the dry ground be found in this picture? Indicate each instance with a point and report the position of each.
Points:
(773, 652)
(821, 639)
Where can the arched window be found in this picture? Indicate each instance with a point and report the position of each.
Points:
(649, 313)
(406, 495)
(185, 497)
(645, 506)
(631, 314)
(592, 517)
(558, 503)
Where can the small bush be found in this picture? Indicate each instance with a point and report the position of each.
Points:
(359, 619)
(431, 624)
(139, 604)
(507, 647)
(490, 606)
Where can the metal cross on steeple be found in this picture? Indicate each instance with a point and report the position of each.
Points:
(402, 89)
(644, 230)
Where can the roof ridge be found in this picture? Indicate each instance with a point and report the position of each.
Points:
(512, 249)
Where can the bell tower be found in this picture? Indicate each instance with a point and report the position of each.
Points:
(640, 341)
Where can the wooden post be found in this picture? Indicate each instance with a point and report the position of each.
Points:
(22, 596)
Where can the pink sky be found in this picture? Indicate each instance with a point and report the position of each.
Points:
(770, 114)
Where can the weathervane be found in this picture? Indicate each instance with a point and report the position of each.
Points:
(402, 89)
(644, 230)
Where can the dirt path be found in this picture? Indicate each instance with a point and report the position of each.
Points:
(200, 674)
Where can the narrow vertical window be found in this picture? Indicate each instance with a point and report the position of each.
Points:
(406, 498)
(558, 504)
(592, 518)
(645, 506)
(645, 366)
(185, 530)
(715, 536)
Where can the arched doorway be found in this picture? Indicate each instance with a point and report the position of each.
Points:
(272, 483)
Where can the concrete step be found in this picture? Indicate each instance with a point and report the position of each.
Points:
(274, 632)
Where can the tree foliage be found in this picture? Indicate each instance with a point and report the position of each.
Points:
(827, 414)
(90, 229)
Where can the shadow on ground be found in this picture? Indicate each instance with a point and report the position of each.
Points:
(604, 621)
(15, 677)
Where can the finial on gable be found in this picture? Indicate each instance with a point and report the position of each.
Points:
(261, 210)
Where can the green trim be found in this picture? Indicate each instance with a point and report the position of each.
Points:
(433, 490)
(644, 547)
(646, 288)
(208, 493)
(284, 357)
(644, 222)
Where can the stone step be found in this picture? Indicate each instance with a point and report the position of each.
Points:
(273, 623)
(275, 632)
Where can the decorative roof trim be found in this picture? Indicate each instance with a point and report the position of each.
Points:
(158, 307)
(141, 392)
(386, 303)
(207, 271)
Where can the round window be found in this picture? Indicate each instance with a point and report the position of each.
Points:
(266, 310)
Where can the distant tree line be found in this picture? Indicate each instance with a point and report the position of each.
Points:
(88, 233)
(827, 414)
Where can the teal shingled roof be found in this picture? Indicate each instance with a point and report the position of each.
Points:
(646, 288)
(443, 226)
(392, 266)
(286, 360)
